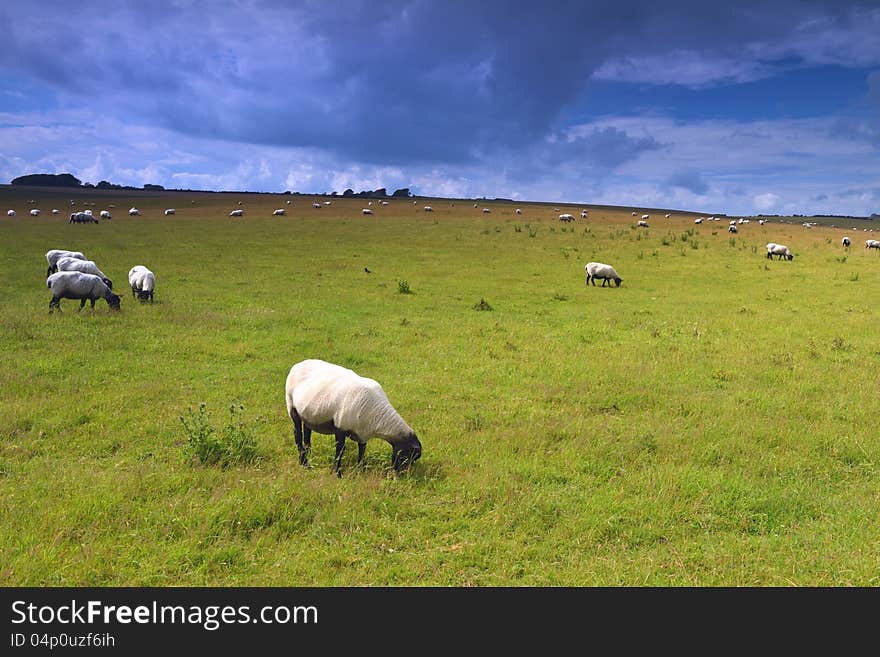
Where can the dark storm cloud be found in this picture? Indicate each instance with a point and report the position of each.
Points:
(384, 82)
(689, 180)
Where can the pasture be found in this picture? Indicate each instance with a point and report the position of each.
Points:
(712, 422)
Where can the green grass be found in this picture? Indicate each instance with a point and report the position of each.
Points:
(711, 422)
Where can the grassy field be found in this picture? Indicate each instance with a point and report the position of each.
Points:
(711, 422)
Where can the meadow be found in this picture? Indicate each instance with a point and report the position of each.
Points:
(711, 422)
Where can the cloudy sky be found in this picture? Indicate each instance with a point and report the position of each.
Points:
(740, 107)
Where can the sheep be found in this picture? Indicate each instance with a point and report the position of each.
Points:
(731, 228)
(317, 206)
(133, 212)
(583, 214)
(169, 211)
(142, 282)
(383, 202)
(105, 214)
(642, 223)
(779, 250)
(761, 222)
(77, 285)
(279, 212)
(327, 202)
(366, 211)
(82, 218)
(10, 213)
(85, 266)
(53, 256)
(600, 270)
(698, 220)
(236, 213)
(486, 211)
(428, 208)
(333, 400)
(634, 214)
(566, 217)
(55, 211)
(287, 202)
(667, 215)
(872, 244)
(845, 241)
(518, 211)
(645, 217)
(35, 212)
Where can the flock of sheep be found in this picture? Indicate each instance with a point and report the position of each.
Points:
(72, 276)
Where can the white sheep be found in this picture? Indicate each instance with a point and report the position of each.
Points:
(779, 250)
(133, 212)
(566, 217)
(845, 241)
(10, 213)
(731, 228)
(53, 256)
(634, 214)
(287, 202)
(279, 212)
(169, 211)
(105, 214)
(366, 211)
(334, 400)
(317, 206)
(486, 211)
(55, 210)
(85, 266)
(142, 282)
(642, 223)
(645, 217)
(698, 220)
(428, 208)
(518, 211)
(82, 218)
(236, 213)
(667, 215)
(602, 271)
(383, 202)
(872, 244)
(35, 212)
(761, 222)
(583, 214)
(77, 285)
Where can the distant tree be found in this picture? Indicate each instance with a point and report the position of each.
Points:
(88, 185)
(348, 192)
(404, 192)
(154, 188)
(379, 192)
(48, 180)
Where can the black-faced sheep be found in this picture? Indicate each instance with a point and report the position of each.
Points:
(872, 244)
(76, 285)
(84, 266)
(333, 400)
(603, 272)
(779, 250)
(845, 241)
(142, 282)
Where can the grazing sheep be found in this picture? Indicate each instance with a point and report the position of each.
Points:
(55, 211)
(330, 399)
(518, 211)
(845, 241)
(142, 282)
(10, 213)
(486, 211)
(53, 256)
(428, 208)
(134, 211)
(366, 211)
(287, 202)
(779, 250)
(35, 212)
(583, 214)
(872, 244)
(634, 214)
(317, 206)
(642, 223)
(698, 220)
(82, 218)
(236, 213)
(761, 222)
(645, 217)
(383, 202)
(85, 266)
(279, 212)
(169, 211)
(105, 214)
(327, 202)
(600, 270)
(667, 215)
(77, 285)
(731, 228)
(566, 217)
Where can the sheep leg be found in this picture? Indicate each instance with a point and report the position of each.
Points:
(55, 303)
(298, 436)
(340, 448)
(82, 304)
(362, 447)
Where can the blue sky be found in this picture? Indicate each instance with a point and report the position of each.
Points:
(738, 107)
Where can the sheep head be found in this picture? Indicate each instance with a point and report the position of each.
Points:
(113, 301)
(406, 452)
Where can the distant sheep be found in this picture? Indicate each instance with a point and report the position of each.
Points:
(76, 285)
(142, 282)
(601, 271)
(779, 250)
(10, 213)
(105, 214)
(845, 241)
(761, 222)
(55, 211)
(667, 215)
(134, 211)
(169, 211)
(518, 211)
(645, 217)
(872, 244)
(236, 213)
(53, 256)
(82, 218)
(333, 400)
(383, 202)
(732, 228)
(428, 208)
(634, 214)
(317, 206)
(583, 214)
(279, 212)
(566, 217)
(698, 220)
(84, 266)
(366, 211)
(642, 223)
(486, 211)
(327, 202)
(35, 212)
